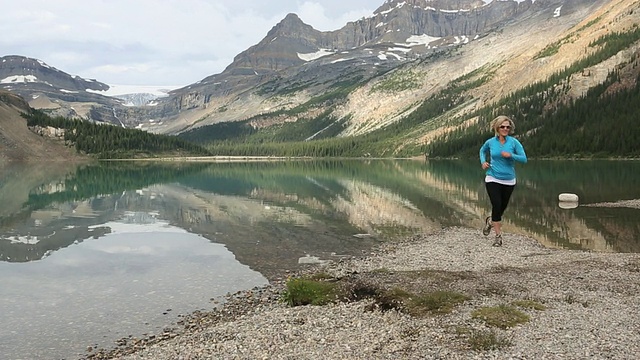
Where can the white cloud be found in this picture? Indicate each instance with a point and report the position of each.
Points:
(150, 42)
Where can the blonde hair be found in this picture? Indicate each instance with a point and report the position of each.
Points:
(495, 124)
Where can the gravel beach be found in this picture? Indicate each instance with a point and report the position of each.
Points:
(584, 305)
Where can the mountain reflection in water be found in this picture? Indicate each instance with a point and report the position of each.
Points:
(304, 203)
(135, 278)
(135, 232)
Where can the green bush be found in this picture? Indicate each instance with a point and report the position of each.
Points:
(309, 292)
(502, 316)
(437, 302)
(485, 340)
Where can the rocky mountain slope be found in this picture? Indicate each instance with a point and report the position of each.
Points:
(60, 94)
(394, 60)
(295, 63)
(378, 70)
(45, 87)
(19, 143)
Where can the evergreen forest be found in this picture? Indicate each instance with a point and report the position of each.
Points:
(112, 142)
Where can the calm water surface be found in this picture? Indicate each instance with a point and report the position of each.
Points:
(112, 250)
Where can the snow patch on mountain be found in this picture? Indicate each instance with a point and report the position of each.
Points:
(315, 55)
(157, 90)
(423, 39)
(556, 13)
(136, 95)
(15, 79)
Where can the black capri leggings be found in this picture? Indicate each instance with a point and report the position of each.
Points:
(499, 195)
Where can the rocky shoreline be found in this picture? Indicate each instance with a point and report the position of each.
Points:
(577, 305)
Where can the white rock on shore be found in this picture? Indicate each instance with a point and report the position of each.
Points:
(592, 310)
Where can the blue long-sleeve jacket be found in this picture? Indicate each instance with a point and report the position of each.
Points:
(502, 168)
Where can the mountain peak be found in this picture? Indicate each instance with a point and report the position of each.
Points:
(290, 26)
(292, 17)
(18, 70)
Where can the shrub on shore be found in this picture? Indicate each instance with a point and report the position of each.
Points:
(501, 316)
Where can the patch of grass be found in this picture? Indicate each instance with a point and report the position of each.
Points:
(549, 50)
(398, 81)
(485, 340)
(493, 289)
(358, 290)
(553, 48)
(308, 292)
(390, 300)
(501, 316)
(321, 288)
(529, 304)
(436, 302)
(590, 23)
(400, 294)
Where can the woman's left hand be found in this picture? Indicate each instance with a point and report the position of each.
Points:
(506, 154)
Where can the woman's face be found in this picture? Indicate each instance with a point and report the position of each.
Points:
(504, 128)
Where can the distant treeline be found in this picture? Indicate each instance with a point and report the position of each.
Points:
(113, 142)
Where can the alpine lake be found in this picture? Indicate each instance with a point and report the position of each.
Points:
(94, 253)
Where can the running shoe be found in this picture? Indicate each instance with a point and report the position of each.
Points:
(487, 226)
(498, 240)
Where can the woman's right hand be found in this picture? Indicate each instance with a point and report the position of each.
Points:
(485, 165)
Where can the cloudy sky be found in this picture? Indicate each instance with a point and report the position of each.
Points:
(155, 42)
